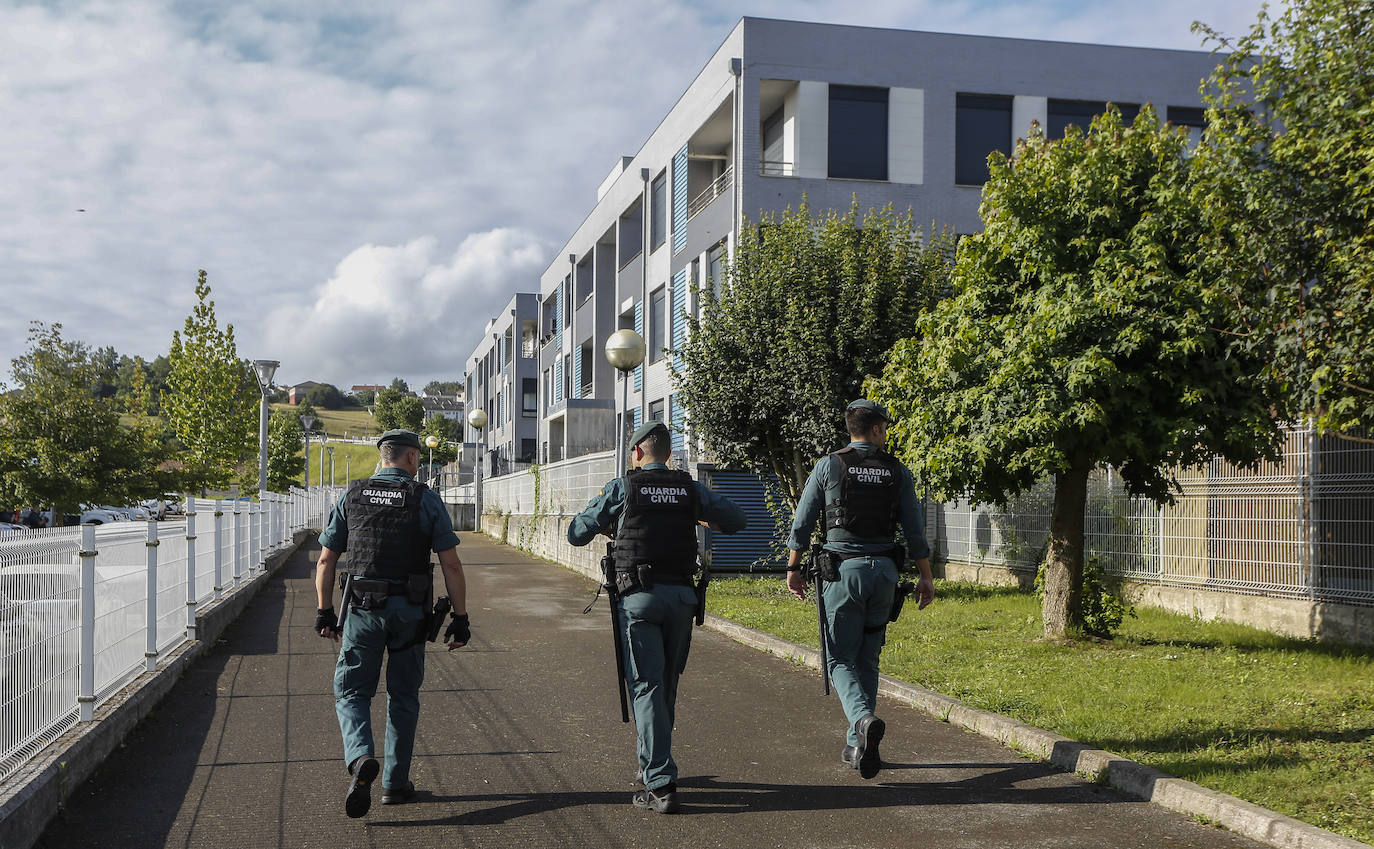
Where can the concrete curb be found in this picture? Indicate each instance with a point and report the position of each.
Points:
(34, 794)
(1133, 779)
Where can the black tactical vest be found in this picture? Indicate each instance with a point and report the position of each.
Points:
(384, 535)
(658, 528)
(866, 509)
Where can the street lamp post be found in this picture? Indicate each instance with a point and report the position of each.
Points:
(324, 437)
(430, 442)
(478, 419)
(307, 422)
(331, 466)
(264, 369)
(625, 350)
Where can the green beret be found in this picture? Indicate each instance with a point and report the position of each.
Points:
(400, 435)
(643, 431)
(865, 404)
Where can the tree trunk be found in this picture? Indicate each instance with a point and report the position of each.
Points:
(1062, 608)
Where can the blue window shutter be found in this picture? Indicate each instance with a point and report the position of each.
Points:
(680, 200)
(636, 414)
(558, 380)
(577, 374)
(558, 318)
(677, 318)
(639, 328)
(677, 422)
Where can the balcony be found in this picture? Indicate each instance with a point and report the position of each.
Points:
(718, 187)
(769, 168)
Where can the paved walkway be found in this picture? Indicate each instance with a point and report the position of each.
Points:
(520, 745)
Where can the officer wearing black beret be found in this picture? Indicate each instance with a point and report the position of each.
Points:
(652, 514)
(388, 523)
(863, 494)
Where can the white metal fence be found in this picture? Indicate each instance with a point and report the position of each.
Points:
(1299, 528)
(85, 610)
(563, 488)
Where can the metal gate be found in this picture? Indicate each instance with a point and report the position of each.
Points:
(751, 548)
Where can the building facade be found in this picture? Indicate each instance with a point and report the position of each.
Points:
(785, 110)
(501, 378)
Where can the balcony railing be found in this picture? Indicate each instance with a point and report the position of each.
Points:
(768, 168)
(717, 188)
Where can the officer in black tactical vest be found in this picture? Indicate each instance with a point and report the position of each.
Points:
(388, 523)
(652, 514)
(865, 495)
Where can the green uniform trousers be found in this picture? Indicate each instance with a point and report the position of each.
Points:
(368, 633)
(856, 608)
(656, 625)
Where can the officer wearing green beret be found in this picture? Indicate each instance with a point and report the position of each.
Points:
(652, 514)
(388, 523)
(866, 495)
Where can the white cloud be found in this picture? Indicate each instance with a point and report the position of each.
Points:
(263, 141)
(401, 310)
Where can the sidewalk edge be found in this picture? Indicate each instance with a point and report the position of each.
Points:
(1132, 778)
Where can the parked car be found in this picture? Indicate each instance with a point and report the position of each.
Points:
(10, 526)
(174, 505)
(101, 516)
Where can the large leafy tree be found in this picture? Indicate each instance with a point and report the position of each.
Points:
(285, 459)
(396, 410)
(212, 397)
(61, 445)
(1287, 176)
(1085, 328)
(810, 305)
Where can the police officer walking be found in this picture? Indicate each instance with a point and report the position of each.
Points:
(388, 523)
(865, 494)
(652, 515)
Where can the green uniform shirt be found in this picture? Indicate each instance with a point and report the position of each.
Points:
(605, 510)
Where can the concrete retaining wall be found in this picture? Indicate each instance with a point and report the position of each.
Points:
(546, 537)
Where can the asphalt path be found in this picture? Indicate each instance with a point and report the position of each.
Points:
(520, 745)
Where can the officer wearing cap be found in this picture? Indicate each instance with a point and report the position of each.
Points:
(864, 494)
(652, 514)
(388, 523)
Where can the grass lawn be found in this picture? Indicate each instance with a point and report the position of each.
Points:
(358, 460)
(351, 422)
(1284, 723)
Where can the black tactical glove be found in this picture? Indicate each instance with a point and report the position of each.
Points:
(325, 619)
(458, 630)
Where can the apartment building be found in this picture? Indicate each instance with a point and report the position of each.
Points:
(783, 110)
(501, 377)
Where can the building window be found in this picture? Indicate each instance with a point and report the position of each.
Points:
(567, 375)
(858, 132)
(982, 124)
(656, 411)
(529, 396)
(526, 451)
(657, 316)
(548, 389)
(1061, 113)
(773, 148)
(585, 366)
(1192, 117)
(658, 210)
(715, 267)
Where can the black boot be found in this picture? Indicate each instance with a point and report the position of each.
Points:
(850, 756)
(660, 801)
(359, 797)
(869, 730)
(398, 795)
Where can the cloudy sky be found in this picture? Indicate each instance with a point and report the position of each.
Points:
(365, 182)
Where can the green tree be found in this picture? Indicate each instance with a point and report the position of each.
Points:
(395, 410)
(285, 459)
(809, 307)
(398, 384)
(366, 397)
(1085, 328)
(448, 432)
(443, 387)
(212, 397)
(60, 445)
(1287, 179)
(326, 396)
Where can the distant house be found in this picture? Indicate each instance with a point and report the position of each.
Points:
(439, 405)
(298, 392)
(368, 387)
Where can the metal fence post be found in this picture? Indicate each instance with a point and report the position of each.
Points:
(254, 537)
(150, 650)
(190, 569)
(238, 540)
(219, 548)
(85, 690)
